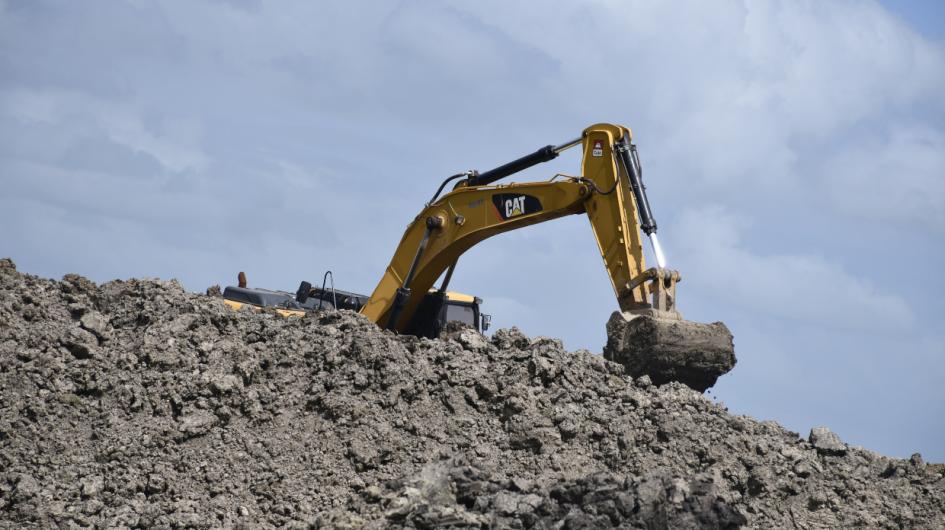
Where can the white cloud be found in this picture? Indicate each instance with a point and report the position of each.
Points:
(894, 175)
(177, 146)
(799, 287)
(738, 99)
(172, 140)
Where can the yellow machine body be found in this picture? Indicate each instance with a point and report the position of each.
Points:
(236, 306)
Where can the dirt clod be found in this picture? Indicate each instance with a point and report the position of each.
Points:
(692, 353)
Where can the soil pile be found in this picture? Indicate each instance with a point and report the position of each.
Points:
(136, 404)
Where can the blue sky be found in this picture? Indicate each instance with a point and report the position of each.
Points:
(925, 16)
(794, 153)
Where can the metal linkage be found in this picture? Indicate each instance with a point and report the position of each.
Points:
(662, 287)
(334, 298)
(403, 292)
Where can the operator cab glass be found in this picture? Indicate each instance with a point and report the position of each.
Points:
(463, 313)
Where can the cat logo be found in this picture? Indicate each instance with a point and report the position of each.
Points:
(515, 206)
(509, 205)
(598, 149)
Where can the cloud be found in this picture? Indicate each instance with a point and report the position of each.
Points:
(800, 287)
(174, 141)
(894, 176)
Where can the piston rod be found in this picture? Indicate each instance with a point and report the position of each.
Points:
(628, 157)
(546, 153)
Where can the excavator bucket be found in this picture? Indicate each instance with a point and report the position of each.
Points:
(657, 342)
(692, 353)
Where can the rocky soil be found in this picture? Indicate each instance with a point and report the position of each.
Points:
(136, 404)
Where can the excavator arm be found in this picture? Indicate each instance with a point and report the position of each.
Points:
(609, 190)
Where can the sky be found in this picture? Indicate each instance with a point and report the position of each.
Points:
(794, 154)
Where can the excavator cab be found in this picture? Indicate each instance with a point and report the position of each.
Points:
(440, 307)
(436, 310)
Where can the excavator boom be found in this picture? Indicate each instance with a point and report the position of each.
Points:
(477, 210)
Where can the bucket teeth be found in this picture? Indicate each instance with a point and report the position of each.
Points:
(692, 353)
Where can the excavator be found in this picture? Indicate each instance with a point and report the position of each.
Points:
(647, 335)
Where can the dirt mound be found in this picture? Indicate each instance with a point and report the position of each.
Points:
(135, 403)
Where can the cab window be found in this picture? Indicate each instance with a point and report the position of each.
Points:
(463, 313)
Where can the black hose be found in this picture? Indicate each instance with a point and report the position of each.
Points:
(592, 184)
(447, 181)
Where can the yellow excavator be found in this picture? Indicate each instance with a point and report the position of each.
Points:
(647, 335)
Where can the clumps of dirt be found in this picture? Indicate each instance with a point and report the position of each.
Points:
(666, 350)
(456, 495)
(137, 404)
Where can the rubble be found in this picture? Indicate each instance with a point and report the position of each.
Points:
(826, 441)
(167, 409)
(451, 494)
